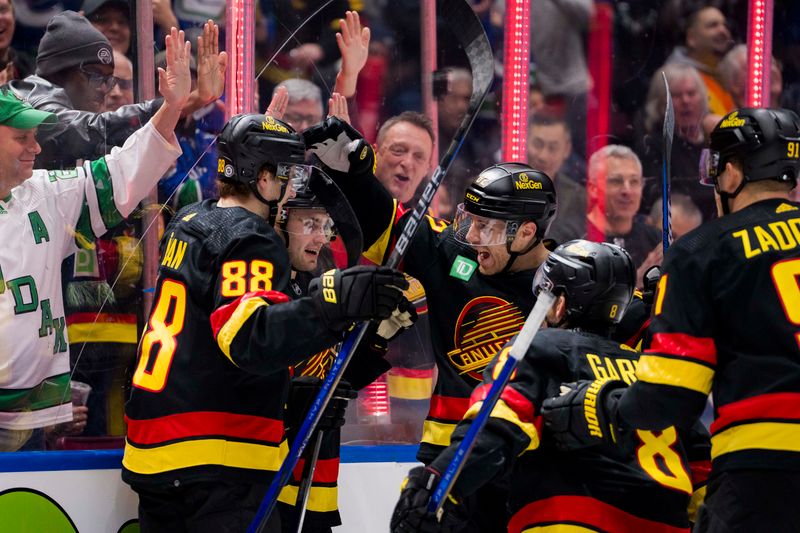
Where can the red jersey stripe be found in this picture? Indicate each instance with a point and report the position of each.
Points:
(523, 407)
(224, 312)
(204, 424)
(785, 405)
(326, 471)
(583, 510)
(680, 344)
(448, 407)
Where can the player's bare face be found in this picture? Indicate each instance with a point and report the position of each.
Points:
(308, 233)
(624, 184)
(492, 258)
(403, 159)
(18, 149)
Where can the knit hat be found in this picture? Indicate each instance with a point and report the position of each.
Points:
(69, 42)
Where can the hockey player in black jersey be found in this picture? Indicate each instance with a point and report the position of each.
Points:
(205, 417)
(644, 488)
(307, 229)
(476, 273)
(727, 322)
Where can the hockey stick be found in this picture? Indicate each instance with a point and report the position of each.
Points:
(666, 204)
(516, 352)
(308, 478)
(473, 39)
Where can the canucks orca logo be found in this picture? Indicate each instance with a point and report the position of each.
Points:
(484, 326)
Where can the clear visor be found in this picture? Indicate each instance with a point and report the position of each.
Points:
(709, 166)
(295, 174)
(478, 231)
(302, 221)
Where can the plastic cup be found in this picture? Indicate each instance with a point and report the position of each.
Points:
(80, 392)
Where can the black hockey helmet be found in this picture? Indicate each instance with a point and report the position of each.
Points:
(597, 280)
(514, 192)
(765, 141)
(249, 142)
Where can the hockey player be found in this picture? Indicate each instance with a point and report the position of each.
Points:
(477, 273)
(307, 229)
(44, 214)
(599, 489)
(726, 321)
(205, 417)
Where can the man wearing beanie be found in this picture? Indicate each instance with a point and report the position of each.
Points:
(74, 72)
(45, 214)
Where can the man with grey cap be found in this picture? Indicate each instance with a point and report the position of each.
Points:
(44, 215)
(74, 71)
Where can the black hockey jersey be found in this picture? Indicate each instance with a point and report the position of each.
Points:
(646, 487)
(211, 380)
(727, 321)
(471, 315)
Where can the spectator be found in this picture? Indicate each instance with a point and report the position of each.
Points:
(549, 146)
(558, 51)
(113, 19)
(13, 64)
(46, 214)
(74, 71)
(733, 75)
(684, 215)
(121, 92)
(453, 90)
(405, 146)
(617, 169)
(706, 41)
(689, 99)
(305, 103)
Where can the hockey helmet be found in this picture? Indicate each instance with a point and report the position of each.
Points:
(596, 279)
(508, 193)
(765, 141)
(249, 142)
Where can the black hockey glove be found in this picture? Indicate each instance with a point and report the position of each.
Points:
(357, 294)
(411, 512)
(339, 146)
(649, 284)
(584, 414)
(304, 390)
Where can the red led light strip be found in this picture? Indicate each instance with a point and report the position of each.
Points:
(759, 52)
(516, 58)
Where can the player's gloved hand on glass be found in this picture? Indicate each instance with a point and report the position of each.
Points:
(360, 293)
(584, 414)
(411, 512)
(304, 390)
(339, 146)
(402, 318)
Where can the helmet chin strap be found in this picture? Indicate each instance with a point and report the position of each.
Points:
(512, 256)
(272, 204)
(725, 197)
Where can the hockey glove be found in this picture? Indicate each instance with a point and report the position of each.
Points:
(411, 512)
(402, 318)
(584, 414)
(649, 285)
(339, 146)
(304, 390)
(361, 293)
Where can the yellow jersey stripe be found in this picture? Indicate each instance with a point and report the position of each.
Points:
(783, 436)
(204, 452)
(103, 332)
(228, 332)
(502, 411)
(320, 499)
(676, 373)
(437, 433)
(376, 252)
(406, 388)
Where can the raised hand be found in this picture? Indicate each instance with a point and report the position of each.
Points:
(353, 43)
(211, 64)
(175, 82)
(337, 107)
(277, 106)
